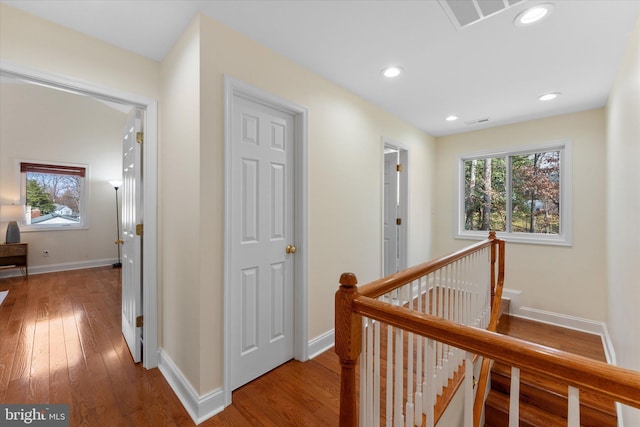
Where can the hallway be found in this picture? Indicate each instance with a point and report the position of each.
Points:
(60, 342)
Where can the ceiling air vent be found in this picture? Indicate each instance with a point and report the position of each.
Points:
(477, 121)
(468, 12)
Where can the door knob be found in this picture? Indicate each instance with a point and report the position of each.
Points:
(290, 249)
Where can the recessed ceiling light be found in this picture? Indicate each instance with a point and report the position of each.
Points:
(533, 14)
(452, 118)
(391, 72)
(549, 96)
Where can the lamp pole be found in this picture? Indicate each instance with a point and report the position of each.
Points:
(118, 242)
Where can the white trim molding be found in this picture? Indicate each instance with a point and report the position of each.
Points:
(52, 268)
(200, 408)
(321, 343)
(563, 320)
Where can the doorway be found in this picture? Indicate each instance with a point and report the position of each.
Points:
(149, 159)
(395, 208)
(265, 289)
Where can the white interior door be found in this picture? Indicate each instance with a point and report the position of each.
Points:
(132, 243)
(262, 239)
(390, 245)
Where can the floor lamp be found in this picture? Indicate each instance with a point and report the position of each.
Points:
(116, 184)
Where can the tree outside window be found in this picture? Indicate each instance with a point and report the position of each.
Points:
(517, 192)
(53, 194)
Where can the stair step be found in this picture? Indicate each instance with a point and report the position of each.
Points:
(497, 413)
(543, 402)
(552, 395)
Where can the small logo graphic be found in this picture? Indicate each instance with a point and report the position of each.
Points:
(34, 415)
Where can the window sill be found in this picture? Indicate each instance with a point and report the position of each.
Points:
(27, 229)
(538, 239)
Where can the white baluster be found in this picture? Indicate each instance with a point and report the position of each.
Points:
(476, 293)
(441, 373)
(486, 289)
(468, 390)
(398, 419)
(427, 370)
(430, 390)
(465, 286)
(376, 376)
(419, 363)
(470, 291)
(410, 408)
(457, 307)
(363, 378)
(446, 363)
(514, 398)
(573, 416)
(369, 381)
(389, 408)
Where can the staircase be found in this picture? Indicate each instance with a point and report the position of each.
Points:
(543, 402)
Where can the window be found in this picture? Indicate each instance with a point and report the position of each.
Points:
(523, 194)
(54, 196)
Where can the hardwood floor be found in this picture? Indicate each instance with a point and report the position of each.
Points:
(61, 342)
(577, 342)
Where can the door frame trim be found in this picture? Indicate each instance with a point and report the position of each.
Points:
(234, 87)
(150, 355)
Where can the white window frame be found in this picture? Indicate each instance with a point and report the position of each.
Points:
(564, 238)
(83, 224)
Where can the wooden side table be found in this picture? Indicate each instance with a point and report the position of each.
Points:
(15, 255)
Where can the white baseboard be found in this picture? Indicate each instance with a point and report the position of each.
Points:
(200, 408)
(321, 343)
(566, 321)
(51, 268)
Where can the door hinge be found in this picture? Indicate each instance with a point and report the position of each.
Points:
(139, 322)
(139, 137)
(139, 229)
(399, 168)
(398, 221)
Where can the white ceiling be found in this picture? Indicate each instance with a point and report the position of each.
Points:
(489, 69)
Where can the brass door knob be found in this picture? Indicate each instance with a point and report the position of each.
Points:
(290, 249)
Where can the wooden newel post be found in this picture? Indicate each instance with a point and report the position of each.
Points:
(348, 344)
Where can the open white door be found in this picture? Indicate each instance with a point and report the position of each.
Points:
(131, 240)
(395, 206)
(390, 213)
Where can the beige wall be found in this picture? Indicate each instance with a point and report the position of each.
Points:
(345, 168)
(33, 42)
(180, 207)
(623, 212)
(345, 178)
(567, 280)
(35, 127)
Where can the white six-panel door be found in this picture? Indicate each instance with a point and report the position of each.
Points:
(262, 240)
(132, 243)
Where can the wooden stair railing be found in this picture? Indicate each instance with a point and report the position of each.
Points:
(483, 377)
(461, 286)
(353, 303)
